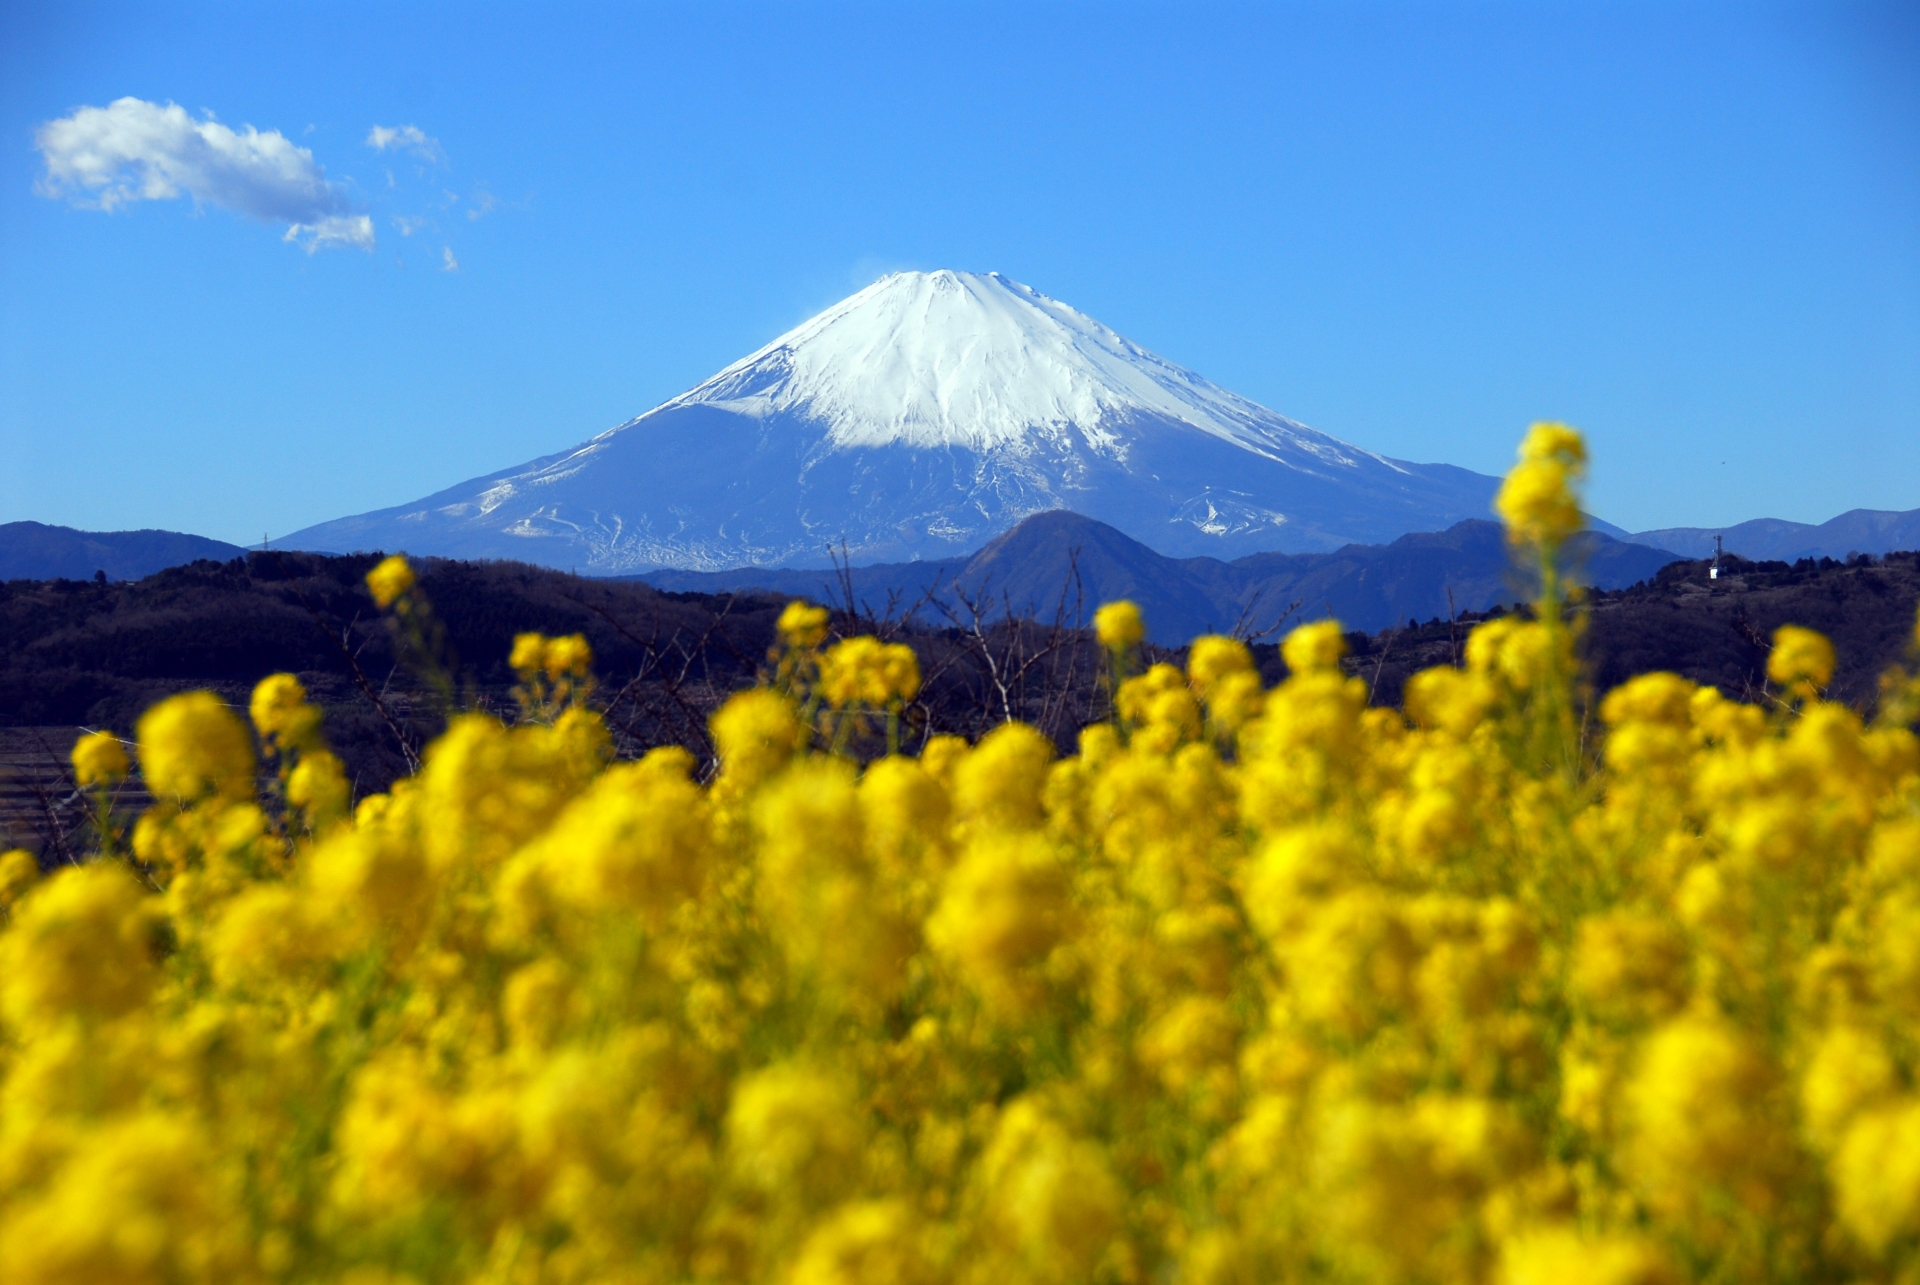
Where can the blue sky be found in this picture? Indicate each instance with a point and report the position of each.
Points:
(1692, 229)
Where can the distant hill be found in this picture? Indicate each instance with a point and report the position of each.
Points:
(1874, 531)
(1713, 631)
(1032, 568)
(36, 551)
(74, 653)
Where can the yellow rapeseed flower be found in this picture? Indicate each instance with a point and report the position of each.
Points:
(99, 758)
(82, 943)
(1118, 626)
(865, 671)
(1315, 648)
(390, 580)
(1801, 660)
(140, 1198)
(19, 871)
(1160, 706)
(791, 1127)
(318, 787)
(529, 655)
(756, 732)
(1697, 1111)
(1876, 1174)
(281, 714)
(1851, 1071)
(1630, 963)
(192, 747)
(1004, 909)
(802, 625)
(568, 657)
(1001, 784)
(1213, 659)
(1562, 1256)
(1222, 673)
(1054, 1193)
(1538, 499)
(869, 1242)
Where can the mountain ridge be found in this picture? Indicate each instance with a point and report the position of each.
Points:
(1874, 531)
(39, 551)
(1033, 569)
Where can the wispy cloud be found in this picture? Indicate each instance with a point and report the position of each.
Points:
(408, 226)
(483, 204)
(133, 150)
(447, 262)
(334, 230)
(408, 138)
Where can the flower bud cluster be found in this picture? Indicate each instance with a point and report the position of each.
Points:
(1538, 500)
(555, 673)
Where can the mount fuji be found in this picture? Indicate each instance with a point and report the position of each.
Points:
(918, 419)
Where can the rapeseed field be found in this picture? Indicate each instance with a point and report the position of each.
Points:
(1260, 985)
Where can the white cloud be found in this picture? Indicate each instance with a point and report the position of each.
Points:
(334, 230)
(410, 138)
(483, 204)
(133, 150)
(447, 262)
(408, 226)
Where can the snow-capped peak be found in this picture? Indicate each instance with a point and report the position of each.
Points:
(975, 360)
(917, 419)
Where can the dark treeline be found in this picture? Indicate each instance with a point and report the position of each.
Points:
(86, 654)
(1712, 631)
(79, 653)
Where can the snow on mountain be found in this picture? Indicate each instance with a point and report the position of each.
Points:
(928, 360)
(917, 419)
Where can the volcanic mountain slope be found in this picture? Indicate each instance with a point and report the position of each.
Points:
(916, 420)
